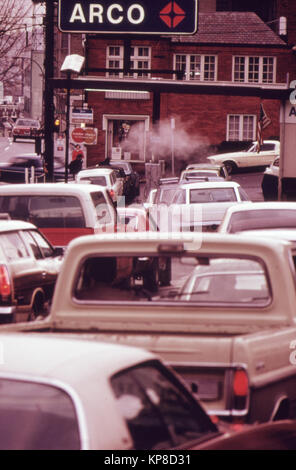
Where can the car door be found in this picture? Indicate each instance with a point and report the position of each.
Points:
(47, 262)
(267, 153)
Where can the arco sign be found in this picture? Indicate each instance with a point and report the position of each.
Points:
(128, 16)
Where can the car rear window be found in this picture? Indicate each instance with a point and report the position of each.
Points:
(158, 412)
(45, 211)
(35, 416)
(262, 219)
(225, 280)
(212, 195)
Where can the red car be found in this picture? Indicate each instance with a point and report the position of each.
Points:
(25, 128)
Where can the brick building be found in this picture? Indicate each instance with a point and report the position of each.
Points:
(235, 50)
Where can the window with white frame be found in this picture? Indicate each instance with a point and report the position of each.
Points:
(140, 59)
(254, 69)
(197, 67)
(241, 127)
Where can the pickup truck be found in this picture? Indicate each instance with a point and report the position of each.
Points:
(226, 322)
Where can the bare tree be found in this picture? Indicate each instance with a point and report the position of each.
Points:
(15, 38)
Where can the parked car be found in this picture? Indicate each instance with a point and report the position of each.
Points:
(61, 211)
(192, 176)
(29, 268)
(57, 393)
(198, 206)
(132, 178)
(269, 150)
(219, 169)
(259, 216)
(14, 171)
(102, 177)
(25, 128)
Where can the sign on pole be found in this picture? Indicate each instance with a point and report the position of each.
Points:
(82, 115)
(128, 16)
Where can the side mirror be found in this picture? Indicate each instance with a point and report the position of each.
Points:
(59, 251)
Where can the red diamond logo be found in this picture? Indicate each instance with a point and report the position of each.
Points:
(172, 14)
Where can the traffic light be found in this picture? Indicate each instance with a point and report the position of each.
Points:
(56, 126)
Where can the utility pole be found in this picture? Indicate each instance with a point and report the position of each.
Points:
(48, 89)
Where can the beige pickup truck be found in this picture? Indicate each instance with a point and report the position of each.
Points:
(225, 321)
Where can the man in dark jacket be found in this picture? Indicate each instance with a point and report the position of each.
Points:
(76, 165)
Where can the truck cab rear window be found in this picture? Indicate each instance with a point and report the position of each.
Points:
(205, 281)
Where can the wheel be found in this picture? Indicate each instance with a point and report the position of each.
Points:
(230, 167)
(37, 308)
(151, 277)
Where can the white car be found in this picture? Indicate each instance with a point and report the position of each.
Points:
(270, 149)
(102, 177)
(70, 394)
(194, 176)
(259, 216)
(218, 168)
(202, 205)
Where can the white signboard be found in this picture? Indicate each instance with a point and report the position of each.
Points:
(288, 113)
(82, 115)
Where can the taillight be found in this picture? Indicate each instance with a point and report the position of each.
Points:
(240, 389)
(5, 285)
(112, 193)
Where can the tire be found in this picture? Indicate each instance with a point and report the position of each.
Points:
(151, 277)
(37, 308)
(231, 167)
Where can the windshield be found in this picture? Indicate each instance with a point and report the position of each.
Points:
(99, 180)
(27, 122)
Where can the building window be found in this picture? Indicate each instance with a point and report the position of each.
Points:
(241, 127)
(197, 67)
(140, 59)
(254, 69)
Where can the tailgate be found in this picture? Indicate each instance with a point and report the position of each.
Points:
(204, 362)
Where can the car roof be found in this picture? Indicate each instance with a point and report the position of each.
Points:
(280, 233)
(51, 356)
(95, 172)
(50, 188)
(204, 166)
(10, 225)
(270, 205)
(210, 185)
